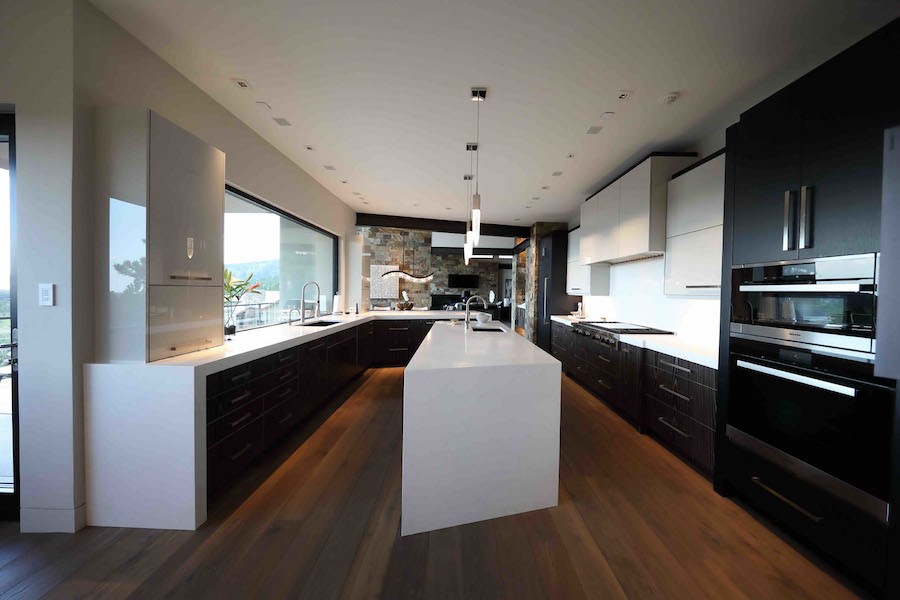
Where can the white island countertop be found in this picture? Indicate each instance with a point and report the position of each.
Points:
(481, 415)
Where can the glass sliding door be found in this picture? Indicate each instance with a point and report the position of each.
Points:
(9, 496)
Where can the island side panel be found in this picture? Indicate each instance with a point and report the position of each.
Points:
(479, 443)
(145, 447)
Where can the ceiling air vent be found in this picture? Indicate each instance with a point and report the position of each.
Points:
(594, 129)
(241, 83)
(282, 121)
(557, 173)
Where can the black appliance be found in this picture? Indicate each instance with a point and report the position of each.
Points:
(609, 332)
(462, 281)
(552, 298)
(824, 305)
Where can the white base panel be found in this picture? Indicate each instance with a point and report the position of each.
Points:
(51, 520)
(479, 443)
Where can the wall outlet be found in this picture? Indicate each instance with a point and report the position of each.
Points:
(46, 294)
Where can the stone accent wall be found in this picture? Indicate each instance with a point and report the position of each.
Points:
(386, 246)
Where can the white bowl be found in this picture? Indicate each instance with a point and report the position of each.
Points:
(482, 317)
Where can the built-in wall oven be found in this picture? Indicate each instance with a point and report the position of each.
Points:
(802, 391)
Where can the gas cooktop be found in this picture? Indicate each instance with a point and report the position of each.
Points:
(616, 329)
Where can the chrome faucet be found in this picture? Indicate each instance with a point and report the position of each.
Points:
(291, 314)
(468, 301)
(317, 312)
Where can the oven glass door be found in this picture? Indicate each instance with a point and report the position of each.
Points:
(836, 308)
(839, 425)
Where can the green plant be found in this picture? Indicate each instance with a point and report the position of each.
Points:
(235, 289)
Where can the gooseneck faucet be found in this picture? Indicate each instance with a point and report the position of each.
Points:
(317, 312)
(468, 301)
(291, 314)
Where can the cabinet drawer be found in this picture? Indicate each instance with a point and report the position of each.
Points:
(288, 392)
(281, 419)
(275, 361)
(233, 421)
(278, 377)
(230, 456)
(394, 356)
(682, 368)
(231, 400)
(235, 376)
(686, 396)
(852, 537)
(684, 435)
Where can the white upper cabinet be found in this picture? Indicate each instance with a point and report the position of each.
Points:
(696, 201)
(573, 251)
(627, 219)
(584, 279)
(696, 198)
(186, 208)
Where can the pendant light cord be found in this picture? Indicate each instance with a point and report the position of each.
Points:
(477, 146)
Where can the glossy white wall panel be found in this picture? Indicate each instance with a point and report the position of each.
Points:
(186, 208)
(184, 319)
(696, 200)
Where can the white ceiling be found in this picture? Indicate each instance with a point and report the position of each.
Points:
(380, 87)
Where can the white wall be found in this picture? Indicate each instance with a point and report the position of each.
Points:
(36, 77)
(636, 296)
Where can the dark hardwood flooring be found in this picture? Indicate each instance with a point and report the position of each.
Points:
(319, 518)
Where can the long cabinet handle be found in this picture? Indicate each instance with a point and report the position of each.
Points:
(240, 452)
(787, 234)
(811, 516)
(285, 376)
(241, 398)
(604, 359)
(237, 422)
(708, 286)
(286, 358)
(674, 366)
(837, 388)
(810, 288)
(240, 376)
(674, 393)
(673, 428)
(190, 278)
(286, 418)
(398, 328)
(806, 199)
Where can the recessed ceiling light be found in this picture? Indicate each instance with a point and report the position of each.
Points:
(535, 197)
(310, 148)
(241, 83)
(328, 167)
(670, 98)
(517, 219)
(557, 173)
(625, 95)
(448, 208)
(357, 194)
(365, 201)
(527, 206)
(282, 121)
(594, 129)
(415, 204)
(570, 156)
(344, 181)
(545, 187)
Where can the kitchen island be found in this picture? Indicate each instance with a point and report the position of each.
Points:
(481, 418)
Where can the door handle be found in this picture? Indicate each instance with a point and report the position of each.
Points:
(812, 517)
(806, 199)
(797, 378)
(787, 241)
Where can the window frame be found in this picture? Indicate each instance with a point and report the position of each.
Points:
(248, 197)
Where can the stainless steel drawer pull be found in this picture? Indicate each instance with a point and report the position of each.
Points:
(708, 286)
(286, 393)
(604, 384)
(397, 349)
(240, 376)
(806, 198)
(398, 328)
(240, 452)
(673, 428)
(286, 418)
(241, 398)
(287, 358)
(285, 376)
(190, 345)
(237, 422)
(786, 234)
(190, 278)
(797, 378)
(674, 366)
(603, 358)
(812, 517)
(674, 393)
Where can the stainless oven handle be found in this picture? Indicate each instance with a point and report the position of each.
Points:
(802, 287)
(801, 379)
(812, 517)
(786, 234)
(805, 213)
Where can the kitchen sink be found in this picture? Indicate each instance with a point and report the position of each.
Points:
(483, 328)
(320, 324)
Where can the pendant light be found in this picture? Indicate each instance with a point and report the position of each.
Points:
(468, 246)
(478, 96)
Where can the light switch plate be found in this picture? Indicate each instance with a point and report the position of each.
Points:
(46, 294)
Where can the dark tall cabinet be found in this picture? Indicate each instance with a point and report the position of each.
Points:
(808, 160)
(551, 293)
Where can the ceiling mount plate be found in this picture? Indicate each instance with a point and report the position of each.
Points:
(479, 94)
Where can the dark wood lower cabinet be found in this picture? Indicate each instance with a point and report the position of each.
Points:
(672, 399)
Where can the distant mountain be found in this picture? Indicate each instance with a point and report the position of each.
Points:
(265, 272)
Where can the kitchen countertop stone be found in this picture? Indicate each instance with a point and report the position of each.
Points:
(679, 346)
(257, 343)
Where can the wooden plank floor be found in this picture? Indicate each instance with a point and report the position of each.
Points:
(320, 519)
